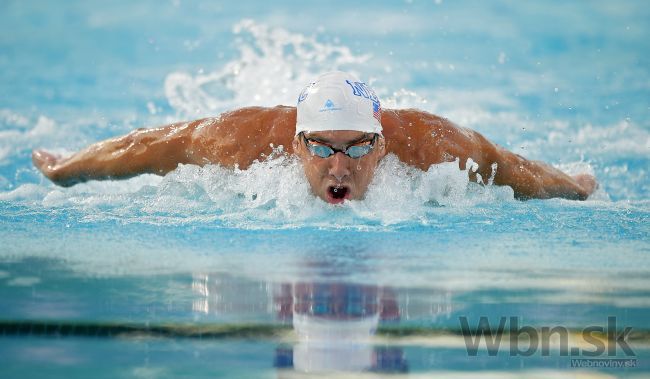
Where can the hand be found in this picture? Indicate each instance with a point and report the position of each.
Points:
(587, 182)
(47, 163)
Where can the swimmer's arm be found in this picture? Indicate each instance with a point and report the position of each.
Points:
(155, 151)
(532, 179)
(234, 139)
(422, 139)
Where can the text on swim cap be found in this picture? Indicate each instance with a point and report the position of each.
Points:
(361, 89)
(304, 93)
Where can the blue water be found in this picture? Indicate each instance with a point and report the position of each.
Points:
(563, 82)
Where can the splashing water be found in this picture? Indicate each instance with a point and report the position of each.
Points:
(271, 193)
(273, 64)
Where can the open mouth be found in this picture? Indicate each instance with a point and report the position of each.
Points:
(336, 194)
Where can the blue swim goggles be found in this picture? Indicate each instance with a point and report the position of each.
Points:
(355, 151)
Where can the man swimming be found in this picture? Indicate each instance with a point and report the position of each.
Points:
(339, 132)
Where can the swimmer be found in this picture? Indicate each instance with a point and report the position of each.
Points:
(339, 132)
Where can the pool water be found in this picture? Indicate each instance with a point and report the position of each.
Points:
(213, 272)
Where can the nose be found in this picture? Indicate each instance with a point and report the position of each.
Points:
(339, 166)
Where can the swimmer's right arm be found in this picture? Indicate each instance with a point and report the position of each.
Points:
(157, 151)
(234, 139)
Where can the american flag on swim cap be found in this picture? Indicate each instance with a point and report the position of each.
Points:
(376, 111)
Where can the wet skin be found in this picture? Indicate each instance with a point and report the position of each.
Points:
(240, 137)
(339, 177)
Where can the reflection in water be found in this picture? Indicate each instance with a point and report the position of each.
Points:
(223, 295)
(334, 323)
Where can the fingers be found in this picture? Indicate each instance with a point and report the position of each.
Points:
(44, 161)
(587, 182)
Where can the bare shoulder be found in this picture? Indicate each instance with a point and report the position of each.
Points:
(421, 138)
(238, 137)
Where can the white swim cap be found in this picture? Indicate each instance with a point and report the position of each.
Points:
(338, 101)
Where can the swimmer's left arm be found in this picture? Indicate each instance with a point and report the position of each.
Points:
(422, 139)
(532, 179)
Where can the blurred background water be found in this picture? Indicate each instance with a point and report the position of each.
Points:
(563, 82)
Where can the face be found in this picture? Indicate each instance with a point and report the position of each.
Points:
(339, 177)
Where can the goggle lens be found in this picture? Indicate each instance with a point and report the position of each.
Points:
(358, 151)
(324, 151)
(320, 150)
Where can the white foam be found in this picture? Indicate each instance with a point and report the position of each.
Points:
(401, 193)
(20, 134)
(273, 65)
(25, 193)
(272, 193)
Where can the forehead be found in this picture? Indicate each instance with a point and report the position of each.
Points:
(337, 136)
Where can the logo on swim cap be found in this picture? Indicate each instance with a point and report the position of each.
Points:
(338, 101)
(329, 107)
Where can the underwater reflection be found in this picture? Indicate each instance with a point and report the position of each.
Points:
(333, 316)
(334, 324)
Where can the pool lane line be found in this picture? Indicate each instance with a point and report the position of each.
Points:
(115, 330)
(53, 328)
